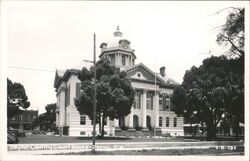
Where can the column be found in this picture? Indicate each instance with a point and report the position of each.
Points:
(119, 59)
(130, 60)
(131, 117)
(116, 122)
(62, 105)
(72, 92)
(156, 109)
(144, 109)
(57, 109)
(116, 58)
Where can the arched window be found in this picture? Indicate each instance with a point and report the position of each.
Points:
(167, 122)
(160, 121)
(175, 122)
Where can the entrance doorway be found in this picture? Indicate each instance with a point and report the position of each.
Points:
(135, 121)
(149, 122)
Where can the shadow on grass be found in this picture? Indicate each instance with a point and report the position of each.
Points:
(218, 138)
(104, 138)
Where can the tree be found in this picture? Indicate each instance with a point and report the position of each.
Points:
(235, 97)
(232, 32)
(47, 120)
(16, 98)
(115, 94)
(180, 102)
(205, 93)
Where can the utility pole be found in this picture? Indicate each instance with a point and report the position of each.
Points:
(94, 104)
(94, 99)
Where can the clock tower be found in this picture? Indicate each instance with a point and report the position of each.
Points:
(118, 51)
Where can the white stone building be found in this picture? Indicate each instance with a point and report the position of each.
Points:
(150, 114)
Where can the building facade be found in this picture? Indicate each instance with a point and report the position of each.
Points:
(151, 112)
(24, 120)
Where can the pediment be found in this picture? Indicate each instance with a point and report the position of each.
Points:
(141, 72)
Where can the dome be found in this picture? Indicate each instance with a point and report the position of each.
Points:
(114, 41)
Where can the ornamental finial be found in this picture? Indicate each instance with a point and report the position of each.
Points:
(118, 33)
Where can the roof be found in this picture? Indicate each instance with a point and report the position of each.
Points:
(113, 44)
(60, 72)
(168, 80)
(160, 80)
(61, 76)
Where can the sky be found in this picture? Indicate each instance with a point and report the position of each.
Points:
(45, 36)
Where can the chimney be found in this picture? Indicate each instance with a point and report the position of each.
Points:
(162, 71)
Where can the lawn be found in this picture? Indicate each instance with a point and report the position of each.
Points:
(211, 151)
(44, 139)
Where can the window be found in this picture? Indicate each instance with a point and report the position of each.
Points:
(67, 96)
(167, 105)
(112, 59)
(149, 101)
(164, 102)
(82, 133)
(160, 102)
(78, 89)
(160, 121)
(123, 60)
(175, 122)
(137, 101)
(82, 120)
(167, 122)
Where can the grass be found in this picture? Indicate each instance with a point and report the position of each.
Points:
(211, 151)
(43, 139)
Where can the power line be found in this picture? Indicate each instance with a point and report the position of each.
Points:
(31, 68)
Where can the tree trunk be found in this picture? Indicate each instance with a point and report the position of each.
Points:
(8, 124)
(202, 128)
(191, 129)
(100, 125)
(237, 127)
(211, 132)
(103, 122)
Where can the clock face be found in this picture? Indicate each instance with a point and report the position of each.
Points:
(125, 45)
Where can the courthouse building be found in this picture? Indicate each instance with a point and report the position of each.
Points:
(151, 112)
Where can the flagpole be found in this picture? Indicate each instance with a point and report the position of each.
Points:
(155, 98)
